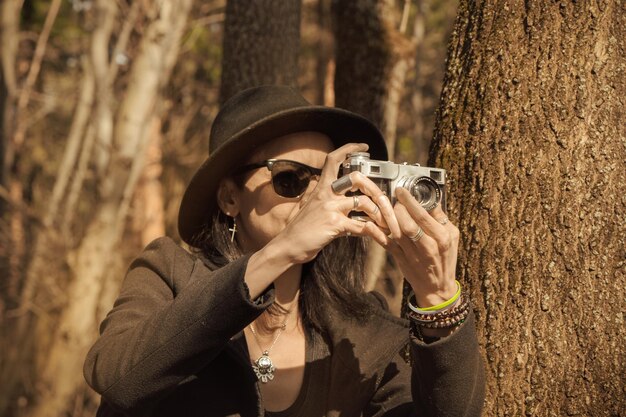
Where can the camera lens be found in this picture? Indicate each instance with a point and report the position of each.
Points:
(425, 190)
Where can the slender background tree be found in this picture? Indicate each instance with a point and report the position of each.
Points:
(261, 44)
(380, 74)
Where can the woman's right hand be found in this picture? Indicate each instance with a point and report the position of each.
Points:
(322, 214)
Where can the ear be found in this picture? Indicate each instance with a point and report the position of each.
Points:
(228, 197)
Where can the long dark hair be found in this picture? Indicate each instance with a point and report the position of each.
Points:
(335, 278)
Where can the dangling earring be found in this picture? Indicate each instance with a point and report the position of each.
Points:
(233, 230)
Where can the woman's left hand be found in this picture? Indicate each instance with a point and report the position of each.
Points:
(427, 262)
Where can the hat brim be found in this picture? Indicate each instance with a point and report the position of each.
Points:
(341, 126)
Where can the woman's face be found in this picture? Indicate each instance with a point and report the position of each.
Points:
(262, 213)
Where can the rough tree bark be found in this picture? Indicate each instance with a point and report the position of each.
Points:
(261, 41)
(363, 57)
(531, 129)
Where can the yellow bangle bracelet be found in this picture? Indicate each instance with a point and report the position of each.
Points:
(442, 305)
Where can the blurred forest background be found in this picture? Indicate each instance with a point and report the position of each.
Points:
(105, 112)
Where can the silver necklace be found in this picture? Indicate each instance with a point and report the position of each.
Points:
(263, 367)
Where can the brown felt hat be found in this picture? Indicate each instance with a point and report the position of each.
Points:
(247, 121)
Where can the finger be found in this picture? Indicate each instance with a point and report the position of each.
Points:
(438, 214)
(373, 211)
(353, 181)
(368, 229)
(361, 182)
(349, 204)
(335, 158)
(431, 226)
(413, 236)
(353, 227)
(341, 185)
(364, 229)
(377, 234)
(386, 209)
(367, 187)
(409, 227)
(363, 203)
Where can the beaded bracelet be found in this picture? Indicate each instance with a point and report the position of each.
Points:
(447, 322)
(444, 319)
(441, 315)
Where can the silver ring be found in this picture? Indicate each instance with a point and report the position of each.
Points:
(445, 220)
(375, 211)
(355, 202)
(418, 235)
(342, 184)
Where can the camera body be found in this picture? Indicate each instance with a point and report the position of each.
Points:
(426, 184)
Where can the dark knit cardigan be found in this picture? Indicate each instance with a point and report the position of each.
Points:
(172, 346)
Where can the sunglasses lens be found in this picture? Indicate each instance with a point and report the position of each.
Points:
(290, 180)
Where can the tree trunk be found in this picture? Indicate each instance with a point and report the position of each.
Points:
(4, 106)
(373, 59)
(9, 36)
(15, 148)
(363, 57)
(531, 131)
(433, 23)
(324, 68)
(92, 264)
(149, 208)
(261, 41)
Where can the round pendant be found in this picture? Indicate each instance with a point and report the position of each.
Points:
(264, 363)
(263, 368)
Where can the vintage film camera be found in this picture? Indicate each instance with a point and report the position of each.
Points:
(426, 184)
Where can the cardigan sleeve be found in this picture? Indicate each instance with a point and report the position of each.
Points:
(447, 379)
(448, 375)
(172, 317)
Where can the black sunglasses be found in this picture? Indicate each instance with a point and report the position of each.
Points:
(290, 179)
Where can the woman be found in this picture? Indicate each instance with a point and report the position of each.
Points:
(269, 316)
